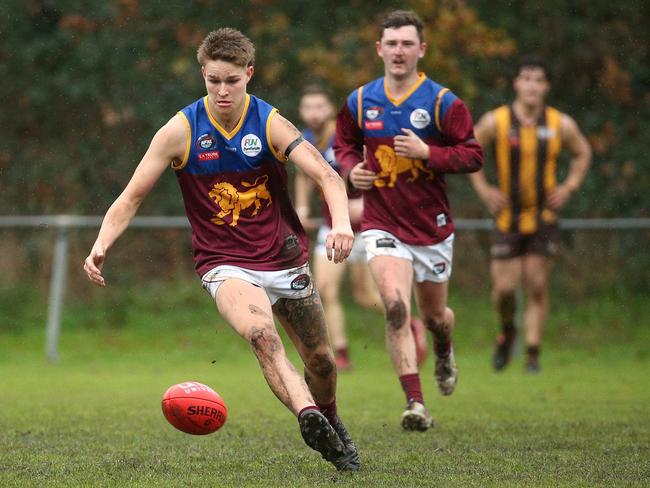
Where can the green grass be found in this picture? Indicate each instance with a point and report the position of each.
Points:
(94, 418)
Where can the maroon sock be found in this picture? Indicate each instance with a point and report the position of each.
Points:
(329, 410)
(442, 348)
(412, 388)
(310, 407)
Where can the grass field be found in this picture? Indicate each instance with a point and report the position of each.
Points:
(94, 418)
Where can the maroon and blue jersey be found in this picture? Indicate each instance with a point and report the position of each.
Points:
(409, 197)
(234, 187)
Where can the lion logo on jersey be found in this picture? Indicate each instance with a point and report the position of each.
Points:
(232, 201)
(392, 165)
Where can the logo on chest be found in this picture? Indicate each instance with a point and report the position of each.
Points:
(205, 142)
(206, 148)
(251, 145)
(231, 201)
(420, 118)
(392, 165)
(374, 113)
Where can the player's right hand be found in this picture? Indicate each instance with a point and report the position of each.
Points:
(339, 243)
(494, 199)
(93, 265)
(360, 177)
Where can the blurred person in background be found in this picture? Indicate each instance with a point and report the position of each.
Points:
(317, 112)
(229, 150)
(527, 137)
(396, 138)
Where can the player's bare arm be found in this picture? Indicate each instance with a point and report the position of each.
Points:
(312, 163)
(580, 151)
(167, 146)
(303, 187)
(485, 133)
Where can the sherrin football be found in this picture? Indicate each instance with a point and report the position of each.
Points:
(194, 408)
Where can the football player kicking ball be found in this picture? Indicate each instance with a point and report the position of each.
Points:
(228, 150)
(397, 136)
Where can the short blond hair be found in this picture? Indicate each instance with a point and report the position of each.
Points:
(228, 45)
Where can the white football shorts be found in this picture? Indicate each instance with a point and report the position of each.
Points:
(430, 263)
(287, 283)
(357, 255)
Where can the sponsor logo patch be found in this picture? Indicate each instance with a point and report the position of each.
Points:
(207, 156)
(420, 118)
(251, 145)
(300, 282)
(386, 242)
(206, 141)
(374, 124)
(374, 113)
(545, 133)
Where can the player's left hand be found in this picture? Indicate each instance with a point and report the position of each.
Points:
(558, 197)
(339, 243)
(410, 145)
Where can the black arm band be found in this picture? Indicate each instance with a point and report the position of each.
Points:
(292, 146)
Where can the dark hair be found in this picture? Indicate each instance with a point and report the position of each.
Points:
(533, 61)
(400, 18)
(315, 89)
(228, 45)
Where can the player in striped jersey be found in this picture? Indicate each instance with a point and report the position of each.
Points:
(527, 137)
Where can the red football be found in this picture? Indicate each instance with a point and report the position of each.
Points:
(194, 408)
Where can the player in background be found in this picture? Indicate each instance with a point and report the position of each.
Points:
(527, 138)
(229, 150)
(396, 138)
(317, 112)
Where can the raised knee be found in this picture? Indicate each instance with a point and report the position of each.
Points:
(265, 341)
(395, 314)
(434, 323)
(321, 365)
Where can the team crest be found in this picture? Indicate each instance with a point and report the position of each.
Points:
(420, 118)
(439, 268)
(251, 145)
(231, 201)
(393, 165)
(205, 142)
(374, 113)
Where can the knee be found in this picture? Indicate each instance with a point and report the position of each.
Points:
(503, 292)
(321, 364)
(265, 341)
(439, 320)
(536, 291)
(396, 314)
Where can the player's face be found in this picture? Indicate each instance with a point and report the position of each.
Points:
(531, 86)
(226, 86)
(315, 110)
(400, 48)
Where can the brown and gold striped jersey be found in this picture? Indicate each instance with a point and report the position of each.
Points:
(526, 159)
